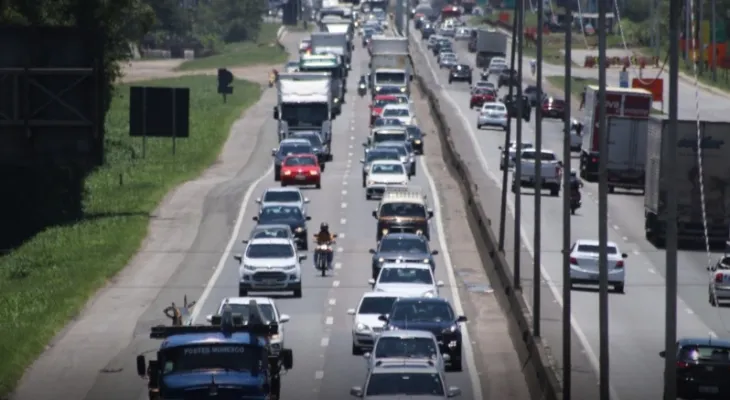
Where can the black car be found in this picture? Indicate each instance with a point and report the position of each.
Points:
(460, 72)
(367, 36)
(434, 315)
(702, 368)
(288, 214)
(427, 31)
(508, 77)
(442, 43)
(531, 93)
(444, 49)
(319, 148)
(415, 136)
(402, 247)
(512, 106)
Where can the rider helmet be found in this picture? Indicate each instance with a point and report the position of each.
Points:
(573, 173)
(324, 227)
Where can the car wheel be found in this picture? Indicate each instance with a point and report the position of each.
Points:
(318, 185)
(298, 293)
(368, 197)
(283, 184)
(322, 166)
(619, 287)
(356, 351)
(413, 170)
(242, 292)
(479, 127)
(456, 364)
(277, 174)
(305, 246)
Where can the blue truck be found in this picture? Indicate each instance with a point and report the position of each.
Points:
(229, 359)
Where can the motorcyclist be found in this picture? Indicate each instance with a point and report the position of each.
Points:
(575, 184)
(533, 66)
(576, 126)
(324, 237)
(273, 76)
(362, 86)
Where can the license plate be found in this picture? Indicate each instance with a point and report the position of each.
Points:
(270, 281)
(709, 389)
(300, 177)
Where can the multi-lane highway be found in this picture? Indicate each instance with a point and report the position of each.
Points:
(636, 317)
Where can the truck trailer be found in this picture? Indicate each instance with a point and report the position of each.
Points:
(304, 103)
(389, 65)
(490, 43)
(335, 43)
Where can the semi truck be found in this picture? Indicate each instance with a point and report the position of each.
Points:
(333, 65)
(336, 24)
(715, 150)
(305, 103)
(389, 65)
(627, 123)
(490, 43)
(332, 43)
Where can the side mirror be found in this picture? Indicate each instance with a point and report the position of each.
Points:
(371, 251)
(453, 392)
(364, 144)
(306, 200)
(238, 257)
(256, 218)
(287, 358)
(462, 318)
(624, 255)
(371, 282)
(141, 366)
(383, 318)
(356, 391)
(273, 152)
(446, 357)
(440, 284)
(258, 201)
(244, 241)
(209, 318)
(308, 218)
(302, 257)
(276, 113)
(284, 318)
(430, 213)
(375, 214)
(351, 311)
(662, 354)
(434, 252)
(362, 161)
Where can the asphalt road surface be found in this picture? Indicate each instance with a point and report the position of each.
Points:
(636, 320)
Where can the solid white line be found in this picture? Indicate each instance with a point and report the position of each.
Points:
(582, 337)
(335, 283)
(476, 386)
(319, 375)
(227, 252)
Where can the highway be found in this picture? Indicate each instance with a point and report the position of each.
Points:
(637, 317)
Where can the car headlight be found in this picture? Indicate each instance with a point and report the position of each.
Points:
(451, 329)
(381, 259)
(403, 90)
(249, 267)
(336, 100)
(417, 141)
(377, 88)
(392, 328)
(275, 338)
(385, 231)
(426, 260)
(299, 230)
(403, 159)
(370, 183)
(429, 294)
(362, 328)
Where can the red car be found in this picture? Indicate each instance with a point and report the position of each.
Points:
(481, 96)
(379, 102)
(301, 170)
(553, 108)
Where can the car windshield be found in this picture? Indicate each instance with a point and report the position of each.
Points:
(532, 155)
(314, 140)
(274, 213)
(407, 384)
(287, 149)
(484, 92)
(245, 310)
(402, 210)
(389, 137)
(554, 102)
(396, 112)
(380, 103)
(399, 245)
(423, 312)
(382, 155)
(265, 250)
(405, 347)
(390, 77)
(389, 90)
(406, 275)
(202, 357)
(591, 248)
(493, 107)
(390, 168)
(531, 89)
(270, 233)
(705, 353)
(300, 162)
(376, 305)
(283, 196)
(448, 56)
(414, 132)
(388, 122)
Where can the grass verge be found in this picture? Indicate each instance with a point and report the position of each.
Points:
(265, 50)
(577, 85)
(63, 266)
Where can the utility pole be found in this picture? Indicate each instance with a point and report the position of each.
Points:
(604, 382)
(567, 332)
(536, 281)
(713, 28)
(518, 159)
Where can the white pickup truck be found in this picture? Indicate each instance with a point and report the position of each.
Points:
(551, 171)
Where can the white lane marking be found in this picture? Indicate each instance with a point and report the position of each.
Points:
(329, 321)
(344, 183)
(352, 137)
(713, 334)
(344, 192)
(636, 252)
(349, 154)
(338, 265)
(335, 283)
(227, 252)
(324, 342)
(333, 301)
(319, 375)
(343, 221)
(689, 311)
(466, 342)
(344, 205)
(341, 235)
(615, 227)
(625, 238)
(651, 271)
(582, 337)
(340, 249)
(349, 147)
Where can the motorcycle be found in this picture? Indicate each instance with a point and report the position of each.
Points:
(321, 257)
(574, 203)
(362, 89)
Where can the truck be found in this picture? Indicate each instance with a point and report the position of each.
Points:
(332, 43)
(551, 171)
(221, 360)
(304, 104)
(627, 115)
(389, 64)
(333, 65)
(343, 25)
(490, 43)
(715, 145)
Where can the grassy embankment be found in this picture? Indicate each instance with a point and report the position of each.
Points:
(265, 51)
(47, 281)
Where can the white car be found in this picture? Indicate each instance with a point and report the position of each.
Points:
(382, 174)
(283, 195)
(366, 324)
(463, 33)
(401, 112)
(270, 265)
(408, 278)
(584, 264)
(719, 286)
(509, 158)
(267, 307)
(432, 40)
(496, 65)
(406, 344)
(447, 60)
(492, 114)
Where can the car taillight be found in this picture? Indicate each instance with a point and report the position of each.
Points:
(620, 264)
(718, 277)
(595, 160)
(573, 261)
(682, 364)
(557, 170)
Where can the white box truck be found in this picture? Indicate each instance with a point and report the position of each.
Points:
(304, 103)
(389, 64)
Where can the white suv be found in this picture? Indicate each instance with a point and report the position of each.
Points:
(366, 323)
(268, 309)
(413, 279)
(270, 265)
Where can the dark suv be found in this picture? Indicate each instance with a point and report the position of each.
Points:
(508, 77)
(511, 103)
(434, 315)
(460, 72)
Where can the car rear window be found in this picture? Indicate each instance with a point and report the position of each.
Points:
(705, 352)
(532, 155)
(589, 248)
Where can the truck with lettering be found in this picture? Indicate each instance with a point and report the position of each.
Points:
(490, 43)
(627, 124)
(230, 359)
(305, 104)
(714, 144)
(332, 43)
(389, 65)
(333, 65)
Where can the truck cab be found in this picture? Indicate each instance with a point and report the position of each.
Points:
(328, 63)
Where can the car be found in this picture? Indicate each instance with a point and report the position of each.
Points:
(379, 102)
(400, 112)
(492, 114)
(553, 108)
(497, 65)
(319, 147)
(509, 158)
(387, 89)
(291, 66)
(481, 96)
(287, 147)
(508, 77)
(383, 174)
(444, 47)
(286, 213)
(416, 137)
(270, 265)
(406, 153)
(483, 85)
(433, 315)
(367, 36)
(531, 92)
(427, 31)
(719, 286)
(433, 41)
(551, 171)
(402, 345)
(301, 170)
(279, 195)
(387, 134)
(584, 264)
(460, 72)
(702, 365)
(383, 153)
(462, 34)
(365, 323)
(415, 279)
(512, 106)
(382, 121)
(412, 379)
(280, 231)
(403, 209)
(269, 311)
(447, 31)
(447, 60)
(402, 247)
